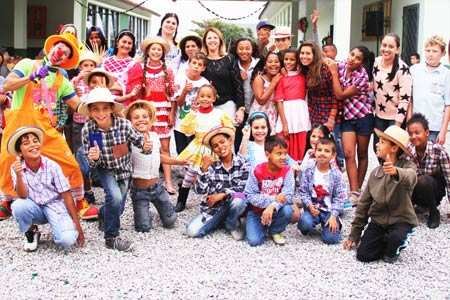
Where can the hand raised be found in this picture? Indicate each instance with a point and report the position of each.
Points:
(94, 152)
(148, 144)
(17, 166)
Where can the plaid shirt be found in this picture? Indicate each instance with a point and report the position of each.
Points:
(360, 105)
(117, 66)
(121, 132)
(434, 161)
(321, 99)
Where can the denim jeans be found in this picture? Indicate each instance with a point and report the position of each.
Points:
(87, 171)
(337, 133)
(115, 196)
(257, 233)
(433, 136)
(227, 213)
(27, 212)
(308, 222)
(157, 195)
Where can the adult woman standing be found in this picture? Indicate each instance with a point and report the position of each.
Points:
(168, 30)
(351, 85)
(96, 41)
(392, 85)
(224, 75)
(189, 45)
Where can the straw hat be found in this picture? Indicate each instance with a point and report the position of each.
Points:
(148, 106)
(97, 71)
(282, 32)
(71, 41)
(396, 135)
(89, 55)
(154, 40)
(20, 132)
(99, 95)
(215, 131)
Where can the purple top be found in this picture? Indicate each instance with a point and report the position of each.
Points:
(360, 105)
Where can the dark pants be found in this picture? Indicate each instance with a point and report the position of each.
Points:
(429, 191)
(181, 140)
(378, 241)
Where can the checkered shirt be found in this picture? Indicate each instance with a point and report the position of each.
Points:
(321, 99)
(360, 105)
(121, 132)
(435, 160)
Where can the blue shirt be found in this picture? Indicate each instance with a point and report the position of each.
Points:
(431, 93)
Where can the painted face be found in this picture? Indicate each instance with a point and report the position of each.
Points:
(259, 130)
(324, 153)
(330, 52)
(124, 45)
(59, 54)
(196, 66)
(277, 156)
(290, 61)
(273, 64)
(94, 38)
(205, 97)
(263, 35)
(191, 48)
(283, 43)
(389, 48)
(433, 55)
(385, 148)
(418, 136)
(30, 146)
(244, 51)
(221, 145)
(155, 52)
(316, 135)
(97, 81)
(212, 41)
(355, 59)
(169, 26)
(140, 119)
(87, 65)
(101, 113)
(306, 55)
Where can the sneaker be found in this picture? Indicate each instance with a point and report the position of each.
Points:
(86, 211)
(390, 259)
(278, 239)
(89, 196)
(32, 237)
(5, 210)
(118, 244)
(238, 234)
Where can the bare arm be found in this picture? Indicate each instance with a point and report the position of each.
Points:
(21, 188)
(14, 82)
(68, 202)
(261, 95)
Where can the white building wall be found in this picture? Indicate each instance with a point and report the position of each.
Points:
(435, 20)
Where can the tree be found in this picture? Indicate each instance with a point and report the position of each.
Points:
(231, 32)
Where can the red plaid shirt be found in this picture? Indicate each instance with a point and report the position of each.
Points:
(321, 99)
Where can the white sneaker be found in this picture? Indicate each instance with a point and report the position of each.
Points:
(237, 234)
(32, 237)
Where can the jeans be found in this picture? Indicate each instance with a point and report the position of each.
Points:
(141, 199)
(27, 212)
(257, 233)
(227, 213)
(308, 222)
(115, 196)
(337, 133)
(84, 166)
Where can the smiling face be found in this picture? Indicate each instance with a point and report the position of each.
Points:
(87, 65)
(206, 97)
(30, 146)
(124, 45)
(101, 113)
(418, 136)
(433, 55)
(213, 42)
(141, 120)
(259, 130)
(355, 59)
(316, 135)
(244, 51)
(190, 48)
(196, 67)
(324, 153)
(155, 52)
(221, 145)
(94, 38)
(277, 157)
(290, 61)
(306, 55)
(273, 64)
(263, 35)
(389, 48)
(169, 26)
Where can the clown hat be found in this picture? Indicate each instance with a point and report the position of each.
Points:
(71, 41)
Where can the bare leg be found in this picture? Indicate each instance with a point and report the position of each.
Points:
(349, 145)
(165, 144)
(363, 158)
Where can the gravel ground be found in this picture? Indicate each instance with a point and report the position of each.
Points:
(167, 265)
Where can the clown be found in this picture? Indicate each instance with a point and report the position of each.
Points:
(41, 95)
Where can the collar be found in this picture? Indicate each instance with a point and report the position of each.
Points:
(26, 167)
(205, 110)
(428, 150)
(234, 162)
(252, 65)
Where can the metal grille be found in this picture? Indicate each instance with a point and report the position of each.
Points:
(410, 30)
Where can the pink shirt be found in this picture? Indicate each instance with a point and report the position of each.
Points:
(291, 87)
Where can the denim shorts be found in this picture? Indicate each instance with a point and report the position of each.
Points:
(362, 126)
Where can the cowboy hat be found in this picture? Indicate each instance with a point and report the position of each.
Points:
(148, 106)
(19, 133)
(396, 135)
(282, 32)
(215, 131)
(154, 40)
(97, 71)
(89, 55)
(71, 41)
(99, 95)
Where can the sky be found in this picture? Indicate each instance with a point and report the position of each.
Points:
(188, 10)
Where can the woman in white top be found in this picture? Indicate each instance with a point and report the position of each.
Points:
(168, 31)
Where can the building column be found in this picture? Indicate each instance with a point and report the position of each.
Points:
(20, 25)
(79, 18)
(342, 26)
(294, 20)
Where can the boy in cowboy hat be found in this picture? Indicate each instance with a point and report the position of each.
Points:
(106, 141)
(223, 182)
(43, 190)
(283, 38)
(387, 201)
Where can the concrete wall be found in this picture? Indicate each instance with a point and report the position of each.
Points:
(326, 9)
(6, 21)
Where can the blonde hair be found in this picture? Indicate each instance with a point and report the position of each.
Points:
(436, 40)
(222, 48)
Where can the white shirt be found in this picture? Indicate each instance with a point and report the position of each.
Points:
(146, 166)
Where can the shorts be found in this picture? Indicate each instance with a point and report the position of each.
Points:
(362, 126)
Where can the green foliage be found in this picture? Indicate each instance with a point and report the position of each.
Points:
(231, 32)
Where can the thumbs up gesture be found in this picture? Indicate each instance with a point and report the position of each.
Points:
(148, 145)
(17, 166)
(388, 166)
(94, 152)
(187, 87)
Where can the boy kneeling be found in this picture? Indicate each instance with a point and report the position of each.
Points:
(387, 201)
(43, 191)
